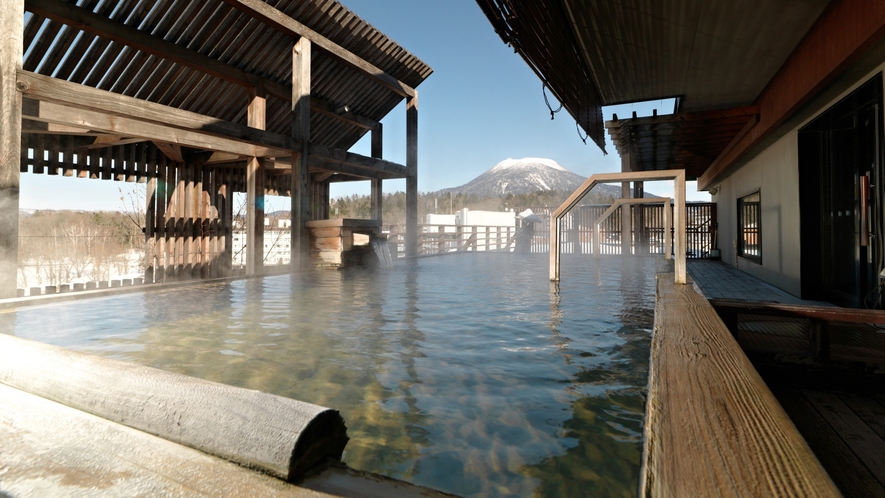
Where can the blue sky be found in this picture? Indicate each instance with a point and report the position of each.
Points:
(481, 105)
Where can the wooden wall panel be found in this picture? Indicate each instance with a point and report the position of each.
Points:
(844, 31)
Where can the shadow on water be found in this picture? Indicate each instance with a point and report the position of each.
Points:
(471, 374)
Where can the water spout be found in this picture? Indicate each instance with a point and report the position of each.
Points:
(383, 252)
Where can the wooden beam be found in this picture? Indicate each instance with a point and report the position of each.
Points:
(10, 141)
(685, 118)
(321, 164)
(51, 90)
(324, 107)
(55, 113)
(256, 117)
(841, 35)
(165, 124)
(90, 22)
(712, 426)
(330, 155)
(826, 313)
(412, 178)
(172, 151)
(316, 163)
(223, 157)
(285, 24)
(33, 127)
(300, 186)
(103, 141)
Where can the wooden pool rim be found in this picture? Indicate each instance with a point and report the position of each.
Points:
(712, 426)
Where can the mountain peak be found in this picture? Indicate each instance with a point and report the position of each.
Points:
(526, 162)
(521, 176)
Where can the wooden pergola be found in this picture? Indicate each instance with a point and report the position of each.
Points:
(201, 99)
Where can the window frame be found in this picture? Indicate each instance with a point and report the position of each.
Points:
(749, 224)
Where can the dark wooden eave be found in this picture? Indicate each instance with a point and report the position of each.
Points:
(688, 140)
(539, 32)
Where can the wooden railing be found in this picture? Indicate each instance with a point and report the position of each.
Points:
(678, 177)
(440, 239)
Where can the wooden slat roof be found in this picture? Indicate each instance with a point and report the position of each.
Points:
(215, 29)
(689, 140)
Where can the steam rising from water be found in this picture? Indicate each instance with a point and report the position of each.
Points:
(471, 374)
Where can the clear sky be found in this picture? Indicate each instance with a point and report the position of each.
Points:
(481, 105)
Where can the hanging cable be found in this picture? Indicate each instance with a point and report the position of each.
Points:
(585, 137)
(544, 91)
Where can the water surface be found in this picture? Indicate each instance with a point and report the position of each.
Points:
(471, 374)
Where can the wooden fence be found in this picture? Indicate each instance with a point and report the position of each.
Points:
(439, 239)
(646, 237)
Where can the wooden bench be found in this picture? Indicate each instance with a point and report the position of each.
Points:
(819, 318)
(713, 428)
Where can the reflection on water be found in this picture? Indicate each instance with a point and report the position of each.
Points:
(471, 374)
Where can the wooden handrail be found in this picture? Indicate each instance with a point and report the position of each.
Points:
(826, 313)
(679, 215)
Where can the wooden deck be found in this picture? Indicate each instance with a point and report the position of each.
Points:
(846, 430)
(718, 280)
(835, 395)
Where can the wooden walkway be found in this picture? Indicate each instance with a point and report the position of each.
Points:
(847, 433)
(718, 280)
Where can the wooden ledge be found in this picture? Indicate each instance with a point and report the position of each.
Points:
(712, 426)
(344, 222)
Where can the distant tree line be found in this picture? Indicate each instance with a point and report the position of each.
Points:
(56, 247)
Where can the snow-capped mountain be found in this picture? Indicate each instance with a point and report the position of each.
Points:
(521, 176)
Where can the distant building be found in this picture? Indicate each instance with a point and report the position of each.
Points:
(276, 246)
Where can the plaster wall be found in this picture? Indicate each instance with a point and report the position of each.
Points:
(774, 172)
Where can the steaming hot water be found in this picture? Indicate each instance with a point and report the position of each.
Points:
(471, 374)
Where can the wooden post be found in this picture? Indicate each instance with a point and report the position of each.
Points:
(181, 171)
(300, 191)
(206, 219)
(641, 231)
(626, 219)
(377, 189)
(162, 202)
(188, 222)
(668, 225)
(149, 230)
(679, 223)
(198, 246)
(11, 12)
(214, 209)
(227, 193)
(412, 178)
(255, 190)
